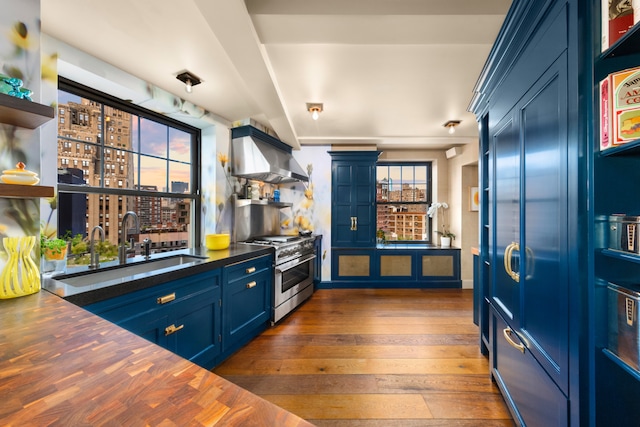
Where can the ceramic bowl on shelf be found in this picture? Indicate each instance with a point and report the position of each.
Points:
(19, 175)
(215, 242)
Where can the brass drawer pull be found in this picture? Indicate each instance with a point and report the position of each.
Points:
(172, 329)
(167, 298)
(250, 270)
(251, 284)
(507, 335)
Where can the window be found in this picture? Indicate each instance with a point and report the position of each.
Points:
(154, 151)
(403, 195)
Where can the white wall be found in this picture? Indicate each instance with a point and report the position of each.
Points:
(463, 174)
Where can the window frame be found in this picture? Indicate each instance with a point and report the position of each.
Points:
(428, 198)
(81, 90)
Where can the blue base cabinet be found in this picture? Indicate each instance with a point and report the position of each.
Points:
(389, 267)
(203, 318)
(246, 301)
(182, 316)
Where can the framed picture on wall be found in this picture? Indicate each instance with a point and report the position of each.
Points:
(474, 199)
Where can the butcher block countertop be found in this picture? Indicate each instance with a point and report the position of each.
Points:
(61, 365)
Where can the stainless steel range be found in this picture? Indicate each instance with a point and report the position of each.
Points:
(294, 271)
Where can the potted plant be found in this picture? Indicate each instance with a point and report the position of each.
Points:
(445, 233)
(53, 249)
(380, 236)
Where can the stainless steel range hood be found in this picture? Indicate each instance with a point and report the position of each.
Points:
(258, 156)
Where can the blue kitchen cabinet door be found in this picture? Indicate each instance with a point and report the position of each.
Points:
(538, 400)
(353, 214)
(246, 303)
(198, 323)
(530, 290)
(544, 269)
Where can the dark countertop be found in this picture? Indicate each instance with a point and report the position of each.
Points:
(94, 292)
(61, 365)
(420, 246)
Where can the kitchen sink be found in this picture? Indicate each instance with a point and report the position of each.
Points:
(125, 271)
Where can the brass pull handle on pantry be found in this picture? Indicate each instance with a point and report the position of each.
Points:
(250, 270)
(353, 223)
(167, 298)
(172, 329)
(508, 255)
(507, 335)
(251, 284)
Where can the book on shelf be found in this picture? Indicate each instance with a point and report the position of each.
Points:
(617, 17)
(620, 108)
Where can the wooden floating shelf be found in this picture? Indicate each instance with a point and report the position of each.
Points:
(23, 113)
(25, 191)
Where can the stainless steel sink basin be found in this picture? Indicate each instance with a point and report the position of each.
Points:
(124, 272)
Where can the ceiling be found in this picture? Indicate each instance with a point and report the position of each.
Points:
(389, 73)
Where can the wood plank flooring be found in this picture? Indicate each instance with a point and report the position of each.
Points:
(373, 358)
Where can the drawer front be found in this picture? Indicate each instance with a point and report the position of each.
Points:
(526, 387)
(244, 270)
(162, 296)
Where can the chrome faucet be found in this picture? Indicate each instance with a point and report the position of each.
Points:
(94, 256)
(123, 234)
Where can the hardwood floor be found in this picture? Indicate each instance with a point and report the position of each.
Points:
(375, 357)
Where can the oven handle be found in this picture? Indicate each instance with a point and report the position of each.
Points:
(298, 262)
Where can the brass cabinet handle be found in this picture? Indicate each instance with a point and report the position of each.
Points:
(167, 298)
(250, 270)
(529, 262)
(172, 329)
(508, 254)
(354, 223)
(251, 284)
(507, 335)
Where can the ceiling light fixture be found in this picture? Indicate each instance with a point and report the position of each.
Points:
(189, 79)
(314, 109)
(451, 125)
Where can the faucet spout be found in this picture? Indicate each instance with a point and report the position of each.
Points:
(123, 234)
(94, 256)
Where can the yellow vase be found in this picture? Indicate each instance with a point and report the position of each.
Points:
(20, 275)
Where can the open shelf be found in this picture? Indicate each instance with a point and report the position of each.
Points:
(23, 113)
(621, 363)
(629, 148)
(627, 256)
(25, 191)
(628, 44)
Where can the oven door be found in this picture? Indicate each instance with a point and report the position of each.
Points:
(293, 276)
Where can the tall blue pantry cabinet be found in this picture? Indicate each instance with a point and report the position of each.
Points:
(543, 313)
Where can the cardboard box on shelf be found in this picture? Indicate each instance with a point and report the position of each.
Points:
(620, 108)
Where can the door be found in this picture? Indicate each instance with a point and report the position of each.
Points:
(505, 143)
(531, 285)
(353, 215)
(544, 277)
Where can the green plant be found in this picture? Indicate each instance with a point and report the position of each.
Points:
(447, 233)
(380, 235)
(54, 246)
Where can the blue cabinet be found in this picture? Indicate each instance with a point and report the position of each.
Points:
(182, 316)
(353, 211)
(246, 301)
(409, 266)
(531, 191)
(203, 318)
